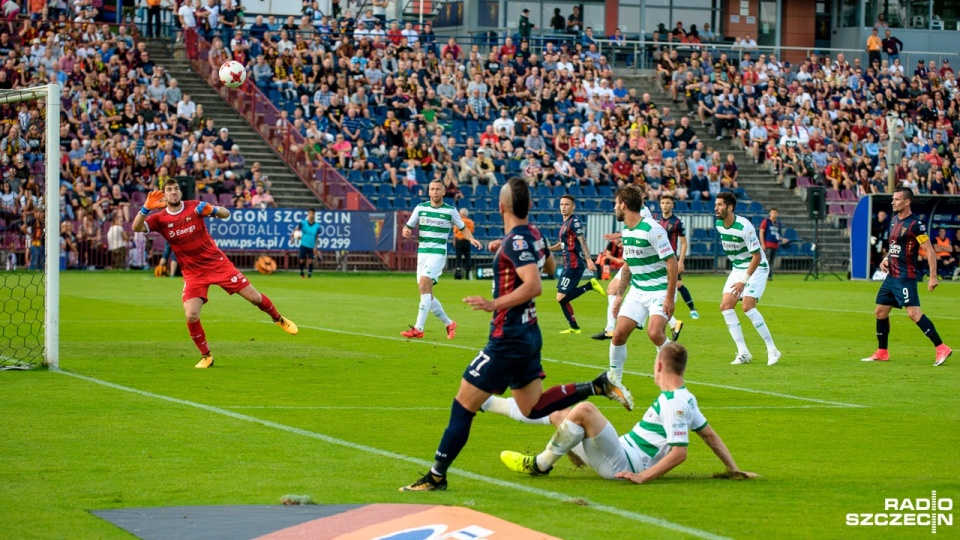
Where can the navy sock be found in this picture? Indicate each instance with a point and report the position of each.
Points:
(578, 292)
(568, 312)
(926, 326)
(454, 438)
(560, 397)
(883, 333)
(685, 294)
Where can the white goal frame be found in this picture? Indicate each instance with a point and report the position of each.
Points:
(51, 301)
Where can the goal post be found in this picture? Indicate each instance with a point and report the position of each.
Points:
(18, 326)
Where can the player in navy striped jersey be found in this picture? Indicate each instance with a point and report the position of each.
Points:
(511, 358)
(677, 234)
(576, 259)
(899, 288)
(655, 446)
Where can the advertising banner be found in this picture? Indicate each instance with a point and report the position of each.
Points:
(271, 229)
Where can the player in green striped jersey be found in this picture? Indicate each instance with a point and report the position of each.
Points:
(655, 445)
(435, 221)
(747, 279)
(648, 282)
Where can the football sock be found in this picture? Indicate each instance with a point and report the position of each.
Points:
(926, 326)
(618, 356)
(560, 397)
(567, 436)
(664, 344)
(454, 438)
(301, 268)
(425, 301)
(685, 294)
(736, 331)
(757, 319)
(267, 307)
(568, 312)
(437, 310)
(578, 292)
(883, 333)
(508, 407)
(310, 269)
(611, 320)
(198, 336)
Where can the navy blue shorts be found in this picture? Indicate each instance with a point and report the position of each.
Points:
(507, 363)
(898, 292)
(569, 280)
(306, 253)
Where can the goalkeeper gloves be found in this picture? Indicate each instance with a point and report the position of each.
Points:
(154, 202)
(206, 209)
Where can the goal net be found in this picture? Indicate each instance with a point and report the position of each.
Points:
(30, 227)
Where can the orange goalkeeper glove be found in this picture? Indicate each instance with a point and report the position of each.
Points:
(206, 209)
(154, 202)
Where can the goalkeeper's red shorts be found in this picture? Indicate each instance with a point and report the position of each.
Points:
(227, 278)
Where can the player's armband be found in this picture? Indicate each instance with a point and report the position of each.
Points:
(922, 238)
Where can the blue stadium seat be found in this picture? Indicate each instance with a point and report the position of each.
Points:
(740, 193)
(387, 190)
(481, 191)
(606, 205)
(682, 207)
(756, 207)
(368, 190)
(590, 205)
(402, 190)
(606, 192)
(355, 177)
(699, 249)
(791, 235)
(371, 176)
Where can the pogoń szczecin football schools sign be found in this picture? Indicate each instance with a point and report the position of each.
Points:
(271, 229)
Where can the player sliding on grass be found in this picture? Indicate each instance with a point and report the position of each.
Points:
(512, 355)
(654, 446)
(576, 259)
(435, 221)
(899, 288)
(202, 263)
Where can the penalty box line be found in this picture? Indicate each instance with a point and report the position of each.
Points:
(838, 404)
(553, 495)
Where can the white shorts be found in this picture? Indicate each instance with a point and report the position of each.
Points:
(619, 273)
(755, 286)
(430, 265)
(608, 455)
(638, 305)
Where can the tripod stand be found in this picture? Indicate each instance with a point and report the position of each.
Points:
(815, 269)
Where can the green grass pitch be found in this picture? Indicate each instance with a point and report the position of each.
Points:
(306, 414)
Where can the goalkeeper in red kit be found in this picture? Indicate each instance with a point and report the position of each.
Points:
(181, 223)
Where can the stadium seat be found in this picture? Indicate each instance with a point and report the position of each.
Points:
(137, 198)
(482, 190)
(682, 207)
(388, 190)
(467, 191)
(225, 200)
(755, 207)
(355, 177)
(368, 190)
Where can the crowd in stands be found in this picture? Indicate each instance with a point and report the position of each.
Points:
(125, 126)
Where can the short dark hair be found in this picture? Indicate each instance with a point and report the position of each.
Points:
(569, 196)
(666, 196)
(906, 192)
(774, 209)
(520, 191)
(728, 199)
(631, 197)
(170, 181)
(674, 357)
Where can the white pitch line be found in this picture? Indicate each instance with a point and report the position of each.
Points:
(402, 409)
(830, 310)
(553, 495)
(578, 364)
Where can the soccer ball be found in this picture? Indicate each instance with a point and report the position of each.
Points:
(297, 235)
(232, 74)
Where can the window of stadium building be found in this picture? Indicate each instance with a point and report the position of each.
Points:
(944, 15)
(850, 13)
(664, 12)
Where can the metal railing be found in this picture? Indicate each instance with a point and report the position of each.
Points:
(279, 133)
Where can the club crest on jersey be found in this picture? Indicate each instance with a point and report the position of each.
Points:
(519, 244)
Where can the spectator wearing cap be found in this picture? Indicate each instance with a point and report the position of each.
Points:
(224, 139)
(525, 26)
(707, 35)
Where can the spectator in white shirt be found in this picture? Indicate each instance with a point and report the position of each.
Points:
(411, 34)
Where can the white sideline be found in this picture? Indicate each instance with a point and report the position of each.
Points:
(577, 364)
(553, 495)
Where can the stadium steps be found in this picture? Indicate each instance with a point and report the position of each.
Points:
(834, 245)
(287, 188)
